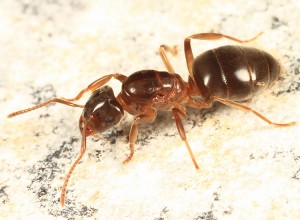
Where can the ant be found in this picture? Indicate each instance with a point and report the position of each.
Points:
(227, 74)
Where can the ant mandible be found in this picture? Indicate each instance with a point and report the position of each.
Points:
(227, 74)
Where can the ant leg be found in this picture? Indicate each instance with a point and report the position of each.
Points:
(59, 100)
(134, 130)
(197, 104)
(146, 117)
(247, 109)
(94, 85)
(176, 114)
(206, 36)
(162, 52)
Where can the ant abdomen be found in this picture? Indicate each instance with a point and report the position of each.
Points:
(234, 72)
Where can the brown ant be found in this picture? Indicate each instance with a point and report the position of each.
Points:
(227, 74)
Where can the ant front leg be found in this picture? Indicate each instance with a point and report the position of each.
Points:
(206, 36)
(176, 114)
(146, 117)
(162, 52)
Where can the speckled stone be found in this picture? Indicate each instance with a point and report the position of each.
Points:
(248, 169)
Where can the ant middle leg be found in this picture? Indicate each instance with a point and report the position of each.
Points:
(244, 108)
(207, 36)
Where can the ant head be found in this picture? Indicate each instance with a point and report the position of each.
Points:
(101, 112)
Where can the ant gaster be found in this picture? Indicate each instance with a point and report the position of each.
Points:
(227, 74)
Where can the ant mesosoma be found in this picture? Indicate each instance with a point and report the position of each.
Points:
(227, 74)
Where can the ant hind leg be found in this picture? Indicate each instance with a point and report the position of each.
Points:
(247, 109)
(207, 36)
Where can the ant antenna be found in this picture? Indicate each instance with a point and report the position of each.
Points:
(59, 100)
(82, 151)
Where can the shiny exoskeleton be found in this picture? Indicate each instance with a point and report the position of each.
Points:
(241, 72)
(228, 74)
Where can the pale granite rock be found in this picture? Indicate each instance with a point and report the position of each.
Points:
(248, 169)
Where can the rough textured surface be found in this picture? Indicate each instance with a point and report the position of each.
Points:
(249, 170)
